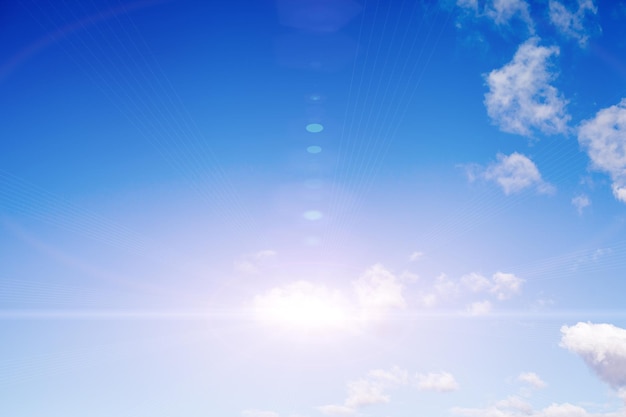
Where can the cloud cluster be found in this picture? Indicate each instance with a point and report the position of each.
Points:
(375, 386)
(604, 138)
(602, 347)
(573, 24)
(501, 286)
(521, 99)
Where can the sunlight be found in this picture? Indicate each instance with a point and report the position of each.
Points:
(302, 305)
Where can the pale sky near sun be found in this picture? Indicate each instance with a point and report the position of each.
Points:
(307, 208)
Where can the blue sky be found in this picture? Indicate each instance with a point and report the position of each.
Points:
(300, 208)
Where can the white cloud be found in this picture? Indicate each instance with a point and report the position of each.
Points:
(515, 173)
(602, 347)
(251, 263)
(581, 202)
(365, 392)
(370, 390)
(378, 289)
(259, 413)
(531, 379)
(336, 410)
(479, 308)
(573, 24)
(604, 138)
(516, 407)
(503, 11)
(475, 282)
(415, 256)
(395, 376)
(437, 381)
(521, 98)
(505, 285)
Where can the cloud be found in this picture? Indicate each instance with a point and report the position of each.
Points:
(602, 347)
(515, 407)
(503, 11)
(251, 263)
(437, 381)
(515, 173)
(505, 285)
(581, 202)
(531, 379)
(258, 413)
(604, 138)
(370, 390)
(573, 24)
(520, 98)
(365, 392)
(395, 376)
(415, 256)
(336, 410)
(378, 289)
(475, 282)
(479, 308)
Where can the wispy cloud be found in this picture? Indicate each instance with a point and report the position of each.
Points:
(521, 99)
(581, 202)
(501, 12)
(604, 138)
(253, 262)
(416, 256)
(573, 24)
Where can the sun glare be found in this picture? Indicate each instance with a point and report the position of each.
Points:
(302, 305)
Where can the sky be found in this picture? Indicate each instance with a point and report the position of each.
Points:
(307, 208)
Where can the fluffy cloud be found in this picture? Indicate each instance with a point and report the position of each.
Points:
(531, 379)
(581, 202)
(258, 413)
(604, 138)
(475, 282)
(573, 24)
(513, 173)
(437, 381)
(521, 98)
(370, 390)
(365, 392)
(378, 289)
(505, 285)
(602, 347)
